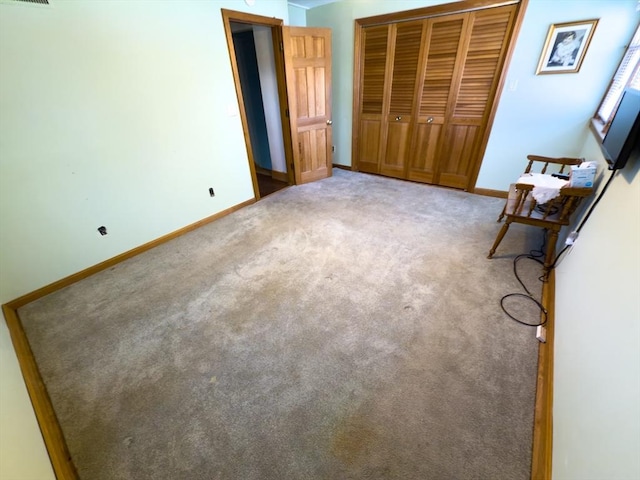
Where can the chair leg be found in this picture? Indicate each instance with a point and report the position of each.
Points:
(551, 252)
(499, 238)
(504, 209)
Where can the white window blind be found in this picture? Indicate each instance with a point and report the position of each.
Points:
(627, 75)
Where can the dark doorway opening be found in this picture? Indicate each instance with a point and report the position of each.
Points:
(256, 72)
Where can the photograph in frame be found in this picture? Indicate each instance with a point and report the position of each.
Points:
(566, 46)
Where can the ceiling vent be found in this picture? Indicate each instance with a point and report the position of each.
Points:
(39, 2)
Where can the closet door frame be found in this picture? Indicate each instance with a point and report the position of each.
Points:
(424, 13)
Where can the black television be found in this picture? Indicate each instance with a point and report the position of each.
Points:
(621, 140)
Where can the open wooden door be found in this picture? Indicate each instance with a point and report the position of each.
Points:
(307, 58)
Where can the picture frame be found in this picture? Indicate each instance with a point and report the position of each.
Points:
(566, 46)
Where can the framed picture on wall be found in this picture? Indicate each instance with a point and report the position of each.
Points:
(565, 47)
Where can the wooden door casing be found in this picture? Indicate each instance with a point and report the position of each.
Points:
(307, 57)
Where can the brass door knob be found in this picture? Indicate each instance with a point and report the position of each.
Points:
(398, 118)
(430, 120)
(329, 122)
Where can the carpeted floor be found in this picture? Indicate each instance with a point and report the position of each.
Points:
(345, 329)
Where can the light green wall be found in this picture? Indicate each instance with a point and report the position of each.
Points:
(297, 16)
(120, 114)
(22, 451)
(545, 114)
(596, 405)
(549, 114)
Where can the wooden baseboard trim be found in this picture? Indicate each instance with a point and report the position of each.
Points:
(343, 167)
(47, 421)
(282, 176)
(55, 443)
(487, 192)
(541, 459)
(262, 171)
(71, 279)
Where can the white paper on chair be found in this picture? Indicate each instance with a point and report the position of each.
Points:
(545, 187)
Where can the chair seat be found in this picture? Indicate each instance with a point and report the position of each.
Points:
(522, 207)
(534, 209)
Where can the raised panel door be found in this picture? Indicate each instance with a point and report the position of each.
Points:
(369, 143)
(307, 55)
(457, 154)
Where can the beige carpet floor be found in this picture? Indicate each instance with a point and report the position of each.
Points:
(345, 329)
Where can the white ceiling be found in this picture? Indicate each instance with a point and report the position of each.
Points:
(307, 4)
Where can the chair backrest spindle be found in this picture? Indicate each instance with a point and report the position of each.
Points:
(547, 162)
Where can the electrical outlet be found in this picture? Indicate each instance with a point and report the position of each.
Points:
(541, 334)
(571, 238)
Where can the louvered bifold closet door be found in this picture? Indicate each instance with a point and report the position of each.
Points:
(407, 48)
(442, 42)
(482, 59)
(375, 41)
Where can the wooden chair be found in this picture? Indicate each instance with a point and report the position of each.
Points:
(539, 164)
(521, 207)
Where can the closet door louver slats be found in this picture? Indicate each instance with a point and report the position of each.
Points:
(405, 68)
(427, 92)
(375, 40)
(482, 64)
(441, 59)
(482, 61)
(442, 45)
(407, 48)
(375, 59)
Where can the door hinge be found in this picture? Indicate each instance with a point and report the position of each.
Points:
(286, 112)
(281, 47)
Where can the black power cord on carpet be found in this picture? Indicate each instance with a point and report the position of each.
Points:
(536, 254)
